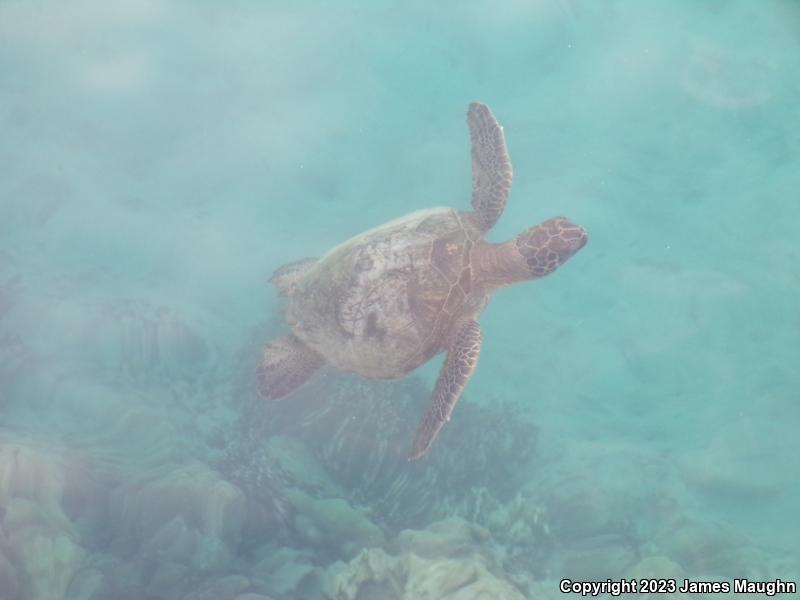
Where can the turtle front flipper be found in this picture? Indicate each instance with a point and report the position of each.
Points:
(287, 364)
(462, 358)
(491, 166)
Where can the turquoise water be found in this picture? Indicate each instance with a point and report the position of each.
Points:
(633, 415)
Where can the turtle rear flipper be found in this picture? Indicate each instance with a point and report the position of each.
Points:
(285, 277)
(462, 358)
(287, 363)
(491, 166)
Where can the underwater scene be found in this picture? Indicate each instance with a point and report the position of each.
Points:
(258, 333)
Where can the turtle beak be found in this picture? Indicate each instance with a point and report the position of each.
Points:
(574, 238)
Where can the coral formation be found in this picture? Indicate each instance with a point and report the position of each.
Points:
(331, 525)
(146, 343)
(358, 433)
(375, 574)
(451, 559)
(188, 514)
(708, 548)
(284, 570)
(40, 489)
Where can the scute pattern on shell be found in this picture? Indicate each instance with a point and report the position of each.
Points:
(383, 303)
(377, 290)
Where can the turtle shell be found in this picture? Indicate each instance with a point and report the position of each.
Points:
(384, 302)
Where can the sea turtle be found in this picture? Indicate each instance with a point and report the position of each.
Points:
(388, 300)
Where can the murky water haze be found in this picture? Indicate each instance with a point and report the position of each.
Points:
(634, 414)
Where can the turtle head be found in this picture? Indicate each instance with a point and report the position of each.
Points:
(540, 250)
(534, 253)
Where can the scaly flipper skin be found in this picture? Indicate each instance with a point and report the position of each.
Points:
(491, 166)
(462, 358)
(287, 364)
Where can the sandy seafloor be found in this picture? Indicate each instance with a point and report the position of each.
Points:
(635, 414)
